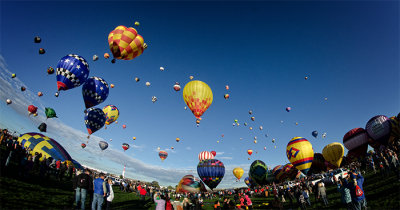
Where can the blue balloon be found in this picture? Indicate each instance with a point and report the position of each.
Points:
(94, 91)
(315, 133)
(94, 119)
(72, 71)
(211, 172)
(248, 181)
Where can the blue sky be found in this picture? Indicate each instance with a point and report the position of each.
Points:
(262, 50)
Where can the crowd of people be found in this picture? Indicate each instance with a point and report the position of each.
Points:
(20, 162)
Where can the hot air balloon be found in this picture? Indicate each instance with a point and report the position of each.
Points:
(273, 140)
(163, 155)
(258, 171)
(245, 124)
(13, 76)
(226, 96)
(147, 84)
(333, 153)
(123, 126)
(112, 86)
(211, 172)
(191, 77)
(95, 57)
(106, 55)
(238, 172)
(103, 145)
(251, 128)
(125, 43)
(23, 88)
(83, 145)
(8, 101)
(356, 140)
(137, 23)
(42, 127)
(72, 71)
(56, 94)
(198, 97)
(284, 173)
(247, 181)
(158, 148)
(37, 39)
(378, 128)
(94, 91)
(249, 151)
(94, 119)
(318, 163)
(172, 148)
(190, 184)
(255, 141)
(288, 109)
(214, 153)
(39, 143)
(250, 112)
(300, 153)
(134, 138)
(125, 146)
(137, 79)
(177, 139)
(153, 99)
(265, 148)
(113, 60)
(50, 112)
(315, 134)
(32, 109)
(205, 155)
(395, 131)
(161, 68)
(40, 94)
(50, 70)
(177, 87)
(227, 87)
(323, 135)
(252, 118)
(112, 113)
(261, 128)
(42, 51)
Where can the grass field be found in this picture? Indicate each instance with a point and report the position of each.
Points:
(381, 193)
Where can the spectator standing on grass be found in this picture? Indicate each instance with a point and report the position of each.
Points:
(159, 199)
(345, 194)
(143, 193)
(357, 191)
(81, 185)
(306, 196)
(248, 202)
(322, 193)
(110, 193)
(100, 191)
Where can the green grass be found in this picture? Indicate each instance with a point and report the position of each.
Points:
(34, 193)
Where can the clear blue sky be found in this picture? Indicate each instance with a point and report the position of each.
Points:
(262, 50)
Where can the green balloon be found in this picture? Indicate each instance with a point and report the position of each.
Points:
(50, 113)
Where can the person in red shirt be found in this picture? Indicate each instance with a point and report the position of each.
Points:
(143, 193)
(168, 205)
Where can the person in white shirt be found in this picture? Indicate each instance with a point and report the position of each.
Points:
(110, 194)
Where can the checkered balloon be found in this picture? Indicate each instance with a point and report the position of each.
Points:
(94, 91)
(94, 119)
(72, 71)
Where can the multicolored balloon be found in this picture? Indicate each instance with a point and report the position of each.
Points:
(249, 151)
(300, 153)
(190, 184)
(125, 43)
(94, 119)
(32, 109)
(46, 146)
(288, 109)
(112, 113)
(198, 97)
(356, 140)
(205, 155)
(125, 146)
(83, 145)
(72, 71)
(163, 155)
(211, 172)
(94, 91)
(378, 128)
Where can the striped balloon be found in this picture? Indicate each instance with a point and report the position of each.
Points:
(356, 140)
(205, 155)
(300, 153)
(163, 155)
(378, 129)
(125, 43)
(211, 172)
(198, 97)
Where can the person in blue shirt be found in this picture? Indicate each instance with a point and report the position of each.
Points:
(100, 191)
(356, 189)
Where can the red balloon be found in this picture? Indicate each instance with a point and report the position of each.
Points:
(32, 109)
(214, 153)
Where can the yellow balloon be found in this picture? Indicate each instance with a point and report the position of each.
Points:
(300, 153)
(238, 172)
(333, 153)
(198, 97)
(112, 113)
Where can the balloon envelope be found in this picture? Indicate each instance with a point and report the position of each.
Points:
(198, 97)
(211, 172)
(125, 43)
(103, 145)
(333, 153)
(315, 134)
(300, 153)
(163, 155)
(50, 112)
(94, 91)
(42, 127)
(45, 145)
(238, 172)
(72, 71)
(205, 155)
(356, 140)
(94, 119)
(112, 113)
(190, 184)
(258, 171)
(378, 128)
